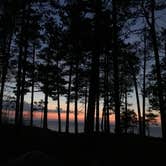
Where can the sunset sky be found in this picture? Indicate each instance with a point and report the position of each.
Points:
(52, 105)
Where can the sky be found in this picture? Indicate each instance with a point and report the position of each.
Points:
(52, 105)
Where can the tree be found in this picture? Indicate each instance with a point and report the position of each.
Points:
(150, 119)
(128, 121)
(7, 22)
(144, 82)
(149, 14)
(52, 81)
(116, 68)
(74, 22)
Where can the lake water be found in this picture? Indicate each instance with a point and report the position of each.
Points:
(155, 131)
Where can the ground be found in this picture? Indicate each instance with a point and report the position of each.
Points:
(27, 146)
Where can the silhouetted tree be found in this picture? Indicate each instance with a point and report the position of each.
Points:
(7, 23)
(128, 121)
(149, 14)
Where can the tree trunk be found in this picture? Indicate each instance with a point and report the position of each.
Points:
(144, 90)
(165, 45)
(126, 111)
(68, 98)
(2, 92)
(105, 117)
(25, 52)
(6, 54)
(46, 85)
(85, 108)
(3, 76)
(58, 100)
(18, 92)
(20, 67)
(45, 111)
(92, 97)
(102, 120)
(59, 113)
(116, 68)
(33, 83)
(108, 116)
(138, 103)
(94, 76)
(76, 97)
(106, 106)
(97, 111)
(23, 85)
(106, 91)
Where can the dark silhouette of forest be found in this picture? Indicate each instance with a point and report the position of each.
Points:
(100, 53)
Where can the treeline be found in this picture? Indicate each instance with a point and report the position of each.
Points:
(97, 52)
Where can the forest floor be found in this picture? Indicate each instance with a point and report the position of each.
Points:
(35, 146)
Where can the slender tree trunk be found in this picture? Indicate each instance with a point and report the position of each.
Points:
(106, 91)
(6, 54)
(138, 103)
(106, 107)
(108, 118)
(58, 102)
(59, 113)
(18, 92)
(76, 97)
(97, 93)
(92, 98)
(105, 118)
(45, 111)
(102, 120)
(97, 111)
(33, 83)
(23, 85)
(2, 92)
(20, 67)
(126, 111)
(85, 108)
(94, 76)
(4, 73)
(68, 98)
(41, 119)
(25, 52)
(165, 45)
(116, 69)
(46, 85)
(144, 90)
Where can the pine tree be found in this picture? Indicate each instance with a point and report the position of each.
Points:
(149, 14)
(7, 22)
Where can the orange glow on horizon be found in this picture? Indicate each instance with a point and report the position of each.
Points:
(54, 116)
